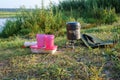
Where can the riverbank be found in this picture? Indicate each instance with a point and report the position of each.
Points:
(5, 14)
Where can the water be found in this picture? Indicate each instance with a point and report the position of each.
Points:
(2, 22)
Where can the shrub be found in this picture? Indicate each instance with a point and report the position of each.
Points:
(109, 16)
(35, 21)
(11, 28)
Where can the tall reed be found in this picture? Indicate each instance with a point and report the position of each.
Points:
(91, 10)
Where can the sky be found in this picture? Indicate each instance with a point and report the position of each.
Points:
(26, 3)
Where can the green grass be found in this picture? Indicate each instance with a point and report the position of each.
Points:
(82, 63)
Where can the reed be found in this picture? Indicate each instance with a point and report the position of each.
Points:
(91, 10)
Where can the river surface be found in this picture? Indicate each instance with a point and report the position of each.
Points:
(2, 22)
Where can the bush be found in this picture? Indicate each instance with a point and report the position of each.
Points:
(35, 21)
(109, 16)
(11, 28)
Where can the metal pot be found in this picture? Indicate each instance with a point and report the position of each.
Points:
(73, 30)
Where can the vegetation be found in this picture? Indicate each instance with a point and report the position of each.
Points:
(35, 21)
(38, 20)
(95, 11)
(18, 62)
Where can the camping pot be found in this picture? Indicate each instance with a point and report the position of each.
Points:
(73, 30)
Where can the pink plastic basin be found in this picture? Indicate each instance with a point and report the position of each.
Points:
(36, 47)
(52, 48)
